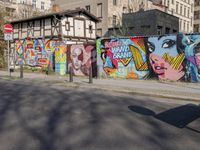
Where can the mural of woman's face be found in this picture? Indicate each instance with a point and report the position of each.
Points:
(163, 56)
(76, 58)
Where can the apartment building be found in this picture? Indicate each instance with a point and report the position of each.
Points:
(197, 16)
(24, 8)
(109, 11)
(184, 10)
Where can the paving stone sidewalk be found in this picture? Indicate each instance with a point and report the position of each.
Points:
(176, 90)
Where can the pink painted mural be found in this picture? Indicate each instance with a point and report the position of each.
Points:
(81, 58)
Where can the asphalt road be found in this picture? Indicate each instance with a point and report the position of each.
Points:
(37, 115)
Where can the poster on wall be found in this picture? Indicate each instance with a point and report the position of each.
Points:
(124, 58)
(81, 58)
(60, 58)
(165, 57)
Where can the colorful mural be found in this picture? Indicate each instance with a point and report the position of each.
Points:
(60, 58)
(191, 46)
(31, 52)
(165, 59)
(19, 47)
(39, 53)
(81, 58)
(124, 58)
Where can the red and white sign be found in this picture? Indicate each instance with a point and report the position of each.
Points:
(7, 28)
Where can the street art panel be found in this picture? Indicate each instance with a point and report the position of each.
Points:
(191, 46)
(124, 58)
(165, 58)
(31, 53)
(19, 48)
(50, 49)
(81, 58)
(42, 54)
(60, 58)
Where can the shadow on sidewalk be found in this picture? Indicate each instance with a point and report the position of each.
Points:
(179, 117)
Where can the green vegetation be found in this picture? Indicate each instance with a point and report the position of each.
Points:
(3, 20)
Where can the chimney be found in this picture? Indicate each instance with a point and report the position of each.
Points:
(55, 8)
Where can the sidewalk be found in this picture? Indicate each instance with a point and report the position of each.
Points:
(173, 90)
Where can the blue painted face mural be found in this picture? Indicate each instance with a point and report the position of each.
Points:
(192, 52)
(164, 58)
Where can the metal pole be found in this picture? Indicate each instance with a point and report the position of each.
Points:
(21, 70)
(8, 58)
(90, 75)
(70, 74)
(21, 66)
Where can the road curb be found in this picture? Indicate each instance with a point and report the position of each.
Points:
(140, 93)
(110, 88)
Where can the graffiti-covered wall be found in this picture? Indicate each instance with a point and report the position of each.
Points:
(81, 58)
(56, 55)
(41, 53)
(169, 57)
(123, 58)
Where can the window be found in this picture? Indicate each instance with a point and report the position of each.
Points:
(172, 11)
(23, 1)
(99, 10)
(181, 9)
(67, 26)
(185, 11)
(167, 30)
(196, 14)
(188, 27)
(90, 29)
(196, 28)
(42, 5)
(124, 10)
(174, 31)
(115, 2)
(180, 24)
(184, 25)
(87, 8)
(34, 3)
(192, 8)
(99, 32)
(159, 30)
(114, 20)
(177, 7)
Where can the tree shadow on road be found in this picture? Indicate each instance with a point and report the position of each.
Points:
(49, 118)
(179, 117)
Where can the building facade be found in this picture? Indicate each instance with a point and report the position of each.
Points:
(150, 22)
(184, 10)
(109, 11)
(18, 9)
(41, 42)
(197, 16)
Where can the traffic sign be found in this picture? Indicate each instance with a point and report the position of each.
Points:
(7, 28)
(8, 36)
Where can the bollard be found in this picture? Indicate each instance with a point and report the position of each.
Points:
(21, 71)
(90, 75)
(70, 74)
(10, 72)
